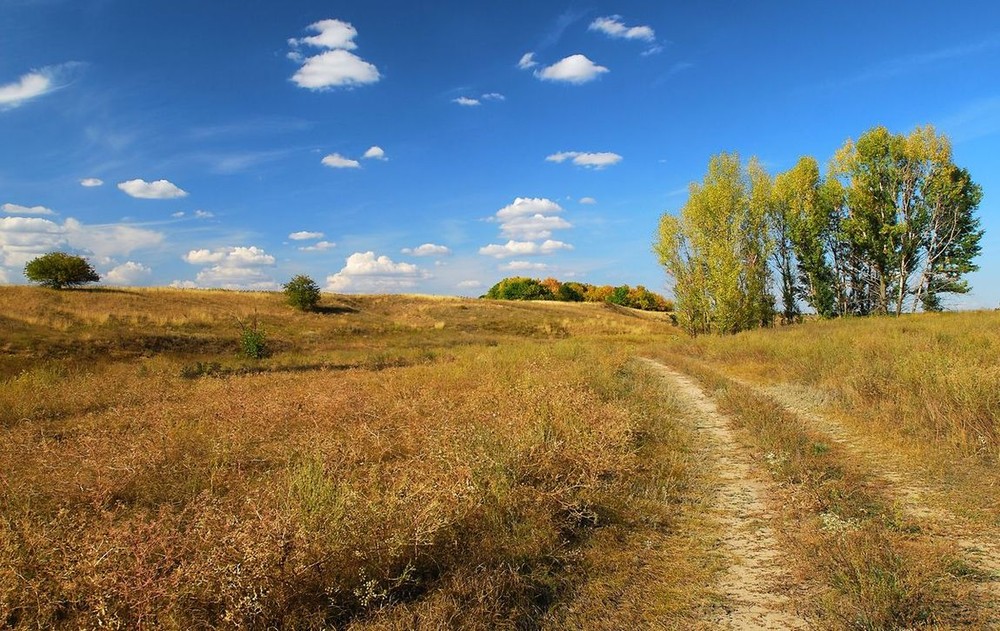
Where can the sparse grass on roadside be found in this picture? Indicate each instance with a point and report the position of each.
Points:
(868, 566)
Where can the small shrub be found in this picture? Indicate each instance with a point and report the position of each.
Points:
(302, 293)
(253, 341)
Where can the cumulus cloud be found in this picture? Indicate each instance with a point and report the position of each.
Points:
(329, 34)
(203, 214)
(530, 218)
(160, 189)
(128, 273)
(231, 256)
(427, 249)
(588, 160)
(337, 161)
(91, 182)
(235, 267)
(469, 284)
(523, 248)
(588, 200)
(29, 86)
(527, 61)
(523, 266)
(319, 246)
(532, 227)
(15, 209)
(363, 271)
(466, 101)
(374, 153)
(576, 69)
(493, 96)
(24, 238)
(305, 235)
(336, 66)
(614, 27)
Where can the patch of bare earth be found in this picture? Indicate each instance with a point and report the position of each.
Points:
(916, 496)
(753, 589)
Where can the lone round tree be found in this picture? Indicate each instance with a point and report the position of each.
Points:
(59, 270)
(302, 293)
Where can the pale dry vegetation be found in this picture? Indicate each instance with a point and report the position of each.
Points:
(508, 468)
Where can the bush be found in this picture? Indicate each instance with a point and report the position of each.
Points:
(253, 341)
(58, 270)
(519, 288)
(302, 292)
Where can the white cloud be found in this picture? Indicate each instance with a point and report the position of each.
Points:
(107, 240)
(528, 206)
(523, 248)
(588, 160)
(91, 182)
(588, 200)
(15, 209)
(493, 96)
(532, 227)
(178, 214)
(26, 88)
(128, 273)
(575, 69)
(160, 189)
(527, 61)
(427, 249)
(24, 238)
(374, 153)
(330, 34)
(203, 214)
(523, 266)
(236, 267)
(305, 235)
(466, 101)
(363, 271)
(614, 27)
(335, 67)
(530, 218)
(319, 246)
(183, 284)
(231, 256)
(469, 284)
(4, 277)
(337, 161)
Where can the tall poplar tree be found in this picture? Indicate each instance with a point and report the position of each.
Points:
(717, 250)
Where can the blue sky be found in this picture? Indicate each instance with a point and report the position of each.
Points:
(437, 147)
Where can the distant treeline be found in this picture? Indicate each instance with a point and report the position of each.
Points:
(523, 288)
(891, 227)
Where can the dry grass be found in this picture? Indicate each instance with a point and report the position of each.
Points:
(868, 566)
(924, 388)
(507, 469)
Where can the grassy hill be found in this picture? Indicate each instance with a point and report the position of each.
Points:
(404, 461)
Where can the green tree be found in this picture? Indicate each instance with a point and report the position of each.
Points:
(59, 270)
(302, 292)
(909, 225)
(717, 250)
(519, 288)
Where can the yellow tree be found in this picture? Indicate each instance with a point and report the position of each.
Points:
(717, 250)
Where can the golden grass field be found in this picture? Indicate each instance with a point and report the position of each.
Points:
(403, 462)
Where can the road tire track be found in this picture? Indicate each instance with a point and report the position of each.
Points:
(754, 587)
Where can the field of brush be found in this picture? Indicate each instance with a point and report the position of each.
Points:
(402, 462)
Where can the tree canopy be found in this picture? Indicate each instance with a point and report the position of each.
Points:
(891, 227)
(59, 270)
(523, 288)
